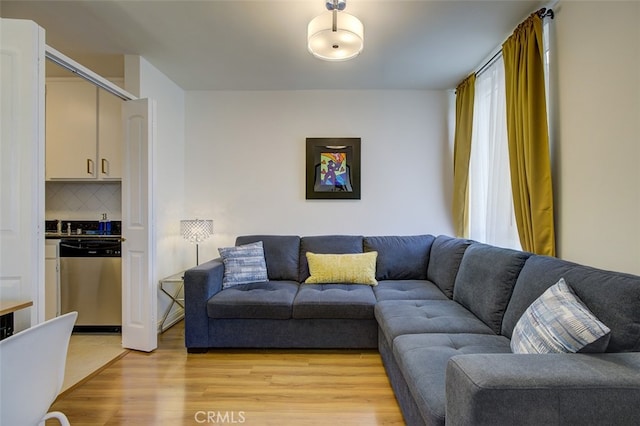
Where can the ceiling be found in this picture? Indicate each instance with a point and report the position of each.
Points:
(261, 45)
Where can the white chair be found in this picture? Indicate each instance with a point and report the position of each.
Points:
(32, 364)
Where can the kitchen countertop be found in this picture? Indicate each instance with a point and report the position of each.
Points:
(88, 228)
(56, 236)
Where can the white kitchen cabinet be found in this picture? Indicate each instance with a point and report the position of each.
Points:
(83, 132)
(109, 136)
(71, 123)
(51, 279)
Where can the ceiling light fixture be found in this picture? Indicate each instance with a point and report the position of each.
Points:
(335, 36)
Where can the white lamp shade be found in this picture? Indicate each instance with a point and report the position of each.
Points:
(345, 43)
(196, 230)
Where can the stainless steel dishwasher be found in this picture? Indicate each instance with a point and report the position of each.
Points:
(91, 283)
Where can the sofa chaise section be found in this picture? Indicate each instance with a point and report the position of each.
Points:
(417, 338)
(484, 383)
(548, 389)
(422, 360)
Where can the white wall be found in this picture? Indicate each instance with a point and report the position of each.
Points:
(144, 80)
(245, 162)
(597, 176)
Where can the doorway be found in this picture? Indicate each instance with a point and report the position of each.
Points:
(83, 199)
(85, 125)
(139, 289)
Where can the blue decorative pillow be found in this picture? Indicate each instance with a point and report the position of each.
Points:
(243, 264)
(558, 322)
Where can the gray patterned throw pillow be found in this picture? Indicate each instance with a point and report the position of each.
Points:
(243, 264)
(558, 322)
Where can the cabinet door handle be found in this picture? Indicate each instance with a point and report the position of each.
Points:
(104, 164)
(90, 166)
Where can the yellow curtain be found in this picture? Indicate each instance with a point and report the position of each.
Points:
(461, 153)
(528, 137)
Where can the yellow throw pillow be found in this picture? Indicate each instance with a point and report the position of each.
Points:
(357, 268)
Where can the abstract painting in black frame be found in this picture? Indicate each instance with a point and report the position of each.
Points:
(333, 168)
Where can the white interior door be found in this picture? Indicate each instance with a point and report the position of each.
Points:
(22, 167)
(139, 283)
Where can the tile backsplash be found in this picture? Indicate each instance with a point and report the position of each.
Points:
(83, 201)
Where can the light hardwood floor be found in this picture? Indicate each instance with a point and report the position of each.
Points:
(241, 387)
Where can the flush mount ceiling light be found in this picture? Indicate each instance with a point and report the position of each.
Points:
(335, 35)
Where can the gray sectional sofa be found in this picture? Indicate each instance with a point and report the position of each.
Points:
(442, 317)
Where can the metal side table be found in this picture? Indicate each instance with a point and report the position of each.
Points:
(172, 286)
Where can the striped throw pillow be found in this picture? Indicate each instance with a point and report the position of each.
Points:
(558, 322)
(243, 264)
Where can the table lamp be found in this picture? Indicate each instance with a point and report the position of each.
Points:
(196, 231)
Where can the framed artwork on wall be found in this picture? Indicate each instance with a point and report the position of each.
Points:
(333, 168)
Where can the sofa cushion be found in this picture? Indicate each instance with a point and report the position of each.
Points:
(272, 299)
(485, 281)
(327, 244)
(243, 264)
(398, 317)
(338, 301)
(280, 252)
(423, 358)
(558, 322)
(400, 257)
(444, 261)
(407, 290)
(537, 275)
(611, 296)
(357, 268)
